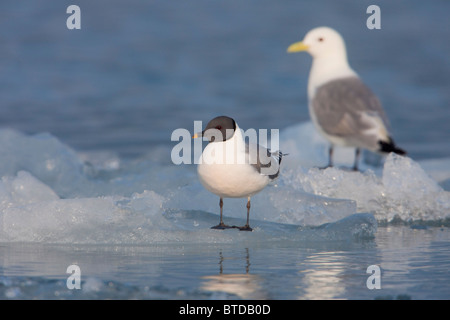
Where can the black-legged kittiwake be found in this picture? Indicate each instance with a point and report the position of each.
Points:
(342, 107)
(230, 167)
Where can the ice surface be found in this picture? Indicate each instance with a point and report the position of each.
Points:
(49, 160)
(398, 188)
(49, 193)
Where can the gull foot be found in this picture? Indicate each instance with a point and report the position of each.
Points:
(222, 226)
(244, 228)
(348, 169)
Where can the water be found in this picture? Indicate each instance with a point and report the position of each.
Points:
(411, 262)
(87, 180)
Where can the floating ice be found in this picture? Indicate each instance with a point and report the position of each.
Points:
(37, 214)
(44, 217)
(48, 193)
(49, 160)
(402, 189)
(411, 193)
(280, 203)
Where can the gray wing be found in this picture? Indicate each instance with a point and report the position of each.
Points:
(264, 161)
(340, 106)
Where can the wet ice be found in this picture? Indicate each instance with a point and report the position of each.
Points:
(49, 193)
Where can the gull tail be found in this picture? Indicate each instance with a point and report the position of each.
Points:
(390, 146)
(279, 155)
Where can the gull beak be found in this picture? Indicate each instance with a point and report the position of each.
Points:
(298, 46)
(197, 135)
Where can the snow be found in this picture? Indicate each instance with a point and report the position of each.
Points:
(50, 193)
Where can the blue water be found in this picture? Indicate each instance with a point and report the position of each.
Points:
(138, 70)
(99, 190)
(410, 269)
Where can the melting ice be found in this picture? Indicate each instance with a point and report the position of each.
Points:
(51, 193)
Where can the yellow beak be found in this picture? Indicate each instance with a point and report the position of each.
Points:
(298, 46)
(195, 136)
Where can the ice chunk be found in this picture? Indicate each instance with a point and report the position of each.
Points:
(100, 160)
(64, 220)
(354, 226)
(285, 204)
(32, 212)
(411, 193)
(404, 189)
(402, 177)
(357, 226)
(48, 195)
(279, 202)
(37, 214)
(340, 184)
(23, 190)
(44, 156)
(307, 148)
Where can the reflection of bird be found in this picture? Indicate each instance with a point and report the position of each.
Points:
(245, 286)
(231, 168)
(341, 106)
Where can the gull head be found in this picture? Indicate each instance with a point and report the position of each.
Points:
(218, 129)
(322, 42)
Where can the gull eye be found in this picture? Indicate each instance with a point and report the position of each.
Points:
(320, 39)
(219, 127)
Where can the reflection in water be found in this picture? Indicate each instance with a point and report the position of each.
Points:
(243, 285)
(325, 280)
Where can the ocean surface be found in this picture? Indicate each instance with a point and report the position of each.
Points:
(87, 177)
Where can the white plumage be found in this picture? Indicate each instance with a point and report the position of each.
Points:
(231, 168)
(343, 109)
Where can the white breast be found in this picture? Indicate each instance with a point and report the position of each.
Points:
(225, 171)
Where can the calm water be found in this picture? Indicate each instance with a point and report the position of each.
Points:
(412, 261)
(138, 70)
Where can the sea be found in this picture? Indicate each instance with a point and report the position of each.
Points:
(93, 205)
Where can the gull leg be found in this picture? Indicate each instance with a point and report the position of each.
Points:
(221, 225)
(247, 225)
(330, 158)
(357, 155)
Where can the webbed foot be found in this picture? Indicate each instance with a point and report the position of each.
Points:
(244, 228)
(222, 226)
